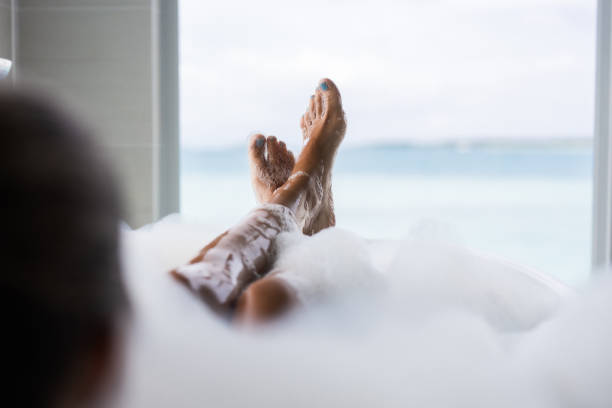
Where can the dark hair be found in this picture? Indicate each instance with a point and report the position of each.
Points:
(61, 285)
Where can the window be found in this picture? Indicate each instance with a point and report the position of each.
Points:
(468, 120)
(5, 67)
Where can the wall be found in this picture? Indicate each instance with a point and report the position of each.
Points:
(5, 29)
(101, 57)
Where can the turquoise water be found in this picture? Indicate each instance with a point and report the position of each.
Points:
(531, 205)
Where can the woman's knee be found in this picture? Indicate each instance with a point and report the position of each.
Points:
(264, 300)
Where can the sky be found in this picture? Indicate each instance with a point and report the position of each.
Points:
(409, 71)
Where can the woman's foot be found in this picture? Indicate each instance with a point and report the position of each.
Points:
(271, 165)
(323, 127)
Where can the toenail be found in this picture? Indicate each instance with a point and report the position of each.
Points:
(260, 142)
(324, 86)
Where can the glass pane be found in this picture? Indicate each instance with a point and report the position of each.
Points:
(5, 67)
(471, 119)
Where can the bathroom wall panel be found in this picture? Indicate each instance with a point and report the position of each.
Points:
(5, 29)
(133, 165)
(100, 57)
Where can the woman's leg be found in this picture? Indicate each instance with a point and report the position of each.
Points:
(244, 253)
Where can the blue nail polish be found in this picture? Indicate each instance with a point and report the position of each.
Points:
(324, 86)
(260, 142)
(311, 96)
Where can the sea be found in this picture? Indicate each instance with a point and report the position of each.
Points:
(528, 203)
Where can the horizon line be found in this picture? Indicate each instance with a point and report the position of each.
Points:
(463, 143)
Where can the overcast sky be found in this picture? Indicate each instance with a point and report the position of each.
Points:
(412, 70)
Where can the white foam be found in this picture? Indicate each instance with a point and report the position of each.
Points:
(421, 323)
(319, 272)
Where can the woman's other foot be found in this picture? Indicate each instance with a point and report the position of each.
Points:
(271, 165)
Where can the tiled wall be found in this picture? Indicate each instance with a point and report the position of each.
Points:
(5, 29)
(101, 58)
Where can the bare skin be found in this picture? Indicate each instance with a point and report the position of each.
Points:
(243, 254)
(323, 127)
(263, 301)
(271, 165)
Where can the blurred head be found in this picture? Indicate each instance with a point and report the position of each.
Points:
(62, 292)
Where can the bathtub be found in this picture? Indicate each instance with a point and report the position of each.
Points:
(418, 322)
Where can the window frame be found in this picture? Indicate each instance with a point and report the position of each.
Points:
(602, 146)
